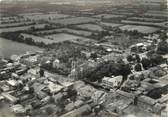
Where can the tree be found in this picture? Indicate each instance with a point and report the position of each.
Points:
(130, 58)
(137, 58)
(41, 72)
(156, 59)
(93, 55)
(162, 47)
(49, 110)
(138, 67)
(29, 41)
(146, 63)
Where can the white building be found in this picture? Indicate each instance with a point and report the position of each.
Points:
(112, 82)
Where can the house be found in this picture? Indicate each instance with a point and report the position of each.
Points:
(164, 112)
(56, 63)
(118, 106)
(21, 71)
(14, 75)
(34, 72)
(54, 88)
(15, 58)
(78, 112)
(4, 87)
(18, 109)
(69, 107)
(86, 53)
(146, 103)
(112, 82)
(30, 60)
(98, 97)
(10, 97)
(165, 56)
(139, 47)
(13, 83)
(126, 95)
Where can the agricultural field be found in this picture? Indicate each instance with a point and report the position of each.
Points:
(158, 11)
(108, 16)
(30, 14)
(74, 20)
(12, 19)
(77, 32)
(21, 28)
(141, 29)
(146, 19)
(162, 24)
(90, 27)
(67, 30)
(112, 25)
(40, 16)
(63, 37)
(123, 13)
(156, 15)
(38, 39)
(153, 13)
(15, 24)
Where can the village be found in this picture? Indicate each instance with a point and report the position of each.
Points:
(99, 62)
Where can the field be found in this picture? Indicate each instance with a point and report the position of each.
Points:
(154, 13)
(54, 38)
(38, 39)
(12, 19)
(109, 16)
(162, 24)
(90, 27)
(141, 29)
(145, 19)
(21, 28)
(63, 37)
(67, 30)
(112, 25)
(41, 16)
(123, 13)
(74, 20)
(15, 24)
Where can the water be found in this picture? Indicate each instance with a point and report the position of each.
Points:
(8, 48)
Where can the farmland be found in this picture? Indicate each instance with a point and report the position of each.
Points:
(112, 25)
(40, 16)
(67, 30)
(90, 27)
(63, 37)
(162, 24)
(14, 19)
(146, 19)
(15, 24)
(109, 16)
(156, 13)
(54, 38)
(74, 20)
(21, 28)
(37, 39)
(141, 29)
(123, 13)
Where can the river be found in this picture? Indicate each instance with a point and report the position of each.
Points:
(8, 48)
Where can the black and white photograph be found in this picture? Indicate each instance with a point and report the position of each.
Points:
(83, 58)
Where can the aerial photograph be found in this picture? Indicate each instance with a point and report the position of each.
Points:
(83, 58)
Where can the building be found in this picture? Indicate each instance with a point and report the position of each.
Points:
(10, 97)
(113, 82)
(18, 109)
(78, 112)
(146, 103)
